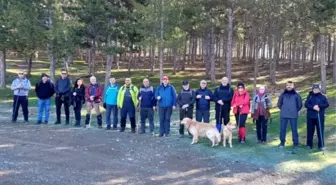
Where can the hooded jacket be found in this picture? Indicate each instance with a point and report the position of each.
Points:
(167, 94)
(241, 99)
(44, 90)
(316, 99)
(111, 94)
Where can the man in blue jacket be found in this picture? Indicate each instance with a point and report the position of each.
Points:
(316, 104)
(62, 90)
(203, 99)
(166, 97)
(21, 86)
(289, 103)
(223, 96)
(147, 101)
(110, 104)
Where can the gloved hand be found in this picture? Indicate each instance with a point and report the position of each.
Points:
(185, 106)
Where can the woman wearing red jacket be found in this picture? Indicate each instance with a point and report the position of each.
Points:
(241, 108)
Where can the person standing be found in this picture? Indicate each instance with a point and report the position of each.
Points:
(203, 99)
(147, 103)
(127, 102)
(44, 91)
(21, 87)
(78, 99)
(261, 104)
(166, 97)
(110, 104)
(289, 103)
(223, 97)
(186, 99)
(62, 90)
(316, 103)
(241, 108)
(93, 97)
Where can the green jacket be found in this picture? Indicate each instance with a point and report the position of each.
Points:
(134, 93)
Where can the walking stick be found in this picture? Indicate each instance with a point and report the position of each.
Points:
(219, 127)
(138, 120)
(16, 104)
(321, 137)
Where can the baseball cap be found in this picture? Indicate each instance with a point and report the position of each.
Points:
(185, 82)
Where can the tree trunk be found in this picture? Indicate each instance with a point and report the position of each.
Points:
(250, 49)
(200, 48)
(152, 58)
(65, 63)
(324, 63)
(292, 57)
(274, 61)
(304, 57)
(229, 45)
(238, 49)
(311, 65)
(3, 68)
(194, 49)
(93, 58)
(30, 64)
(190, 49)
(283, 49)
(161, 39)
(109, 58)
(212, 56)
(174, 60)
(184, 56)
(207, 42)
(244, 47)
(270, 42)
(334, 61)
(329, 50)
(53, 62)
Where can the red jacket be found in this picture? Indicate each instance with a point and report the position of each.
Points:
(243, 99)
(98, 93)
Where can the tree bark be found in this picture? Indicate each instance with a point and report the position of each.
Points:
(161, 39)
(274, 61)
(311, 65)
(334, 61)
(175, 58)
(194, 49)
(244, 47)
(229, 45)
(3, 68)
(30, 64)
(207, 42)
(212, 56)
(238, 49)
(53, 62)
(329, 50)
(323, 62)
(184, 56)
(152, 58)
(292, 57)
(304, 57)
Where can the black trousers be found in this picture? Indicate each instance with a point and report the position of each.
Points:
(185, 113)
(261, 124)
(17, 102)
(311, 124)
(77, 110)
(65, 101)
(223, 112)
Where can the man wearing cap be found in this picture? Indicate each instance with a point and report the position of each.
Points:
(223, 97)
(185, 99)
(203, 98)
(289, 103)
(147, 101)
(21, 86)
(44, 91)
(165, 94)
(127, 102)
(63, 90)
(316, 104)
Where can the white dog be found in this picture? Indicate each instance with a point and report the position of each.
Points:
(227, 134)
(197, 129)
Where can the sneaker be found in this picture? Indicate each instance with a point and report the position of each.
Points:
(321, 148)
(87, 126)
(259, 141)
(26, 121)
(57, 123)
(161, 135)
(100, 127)
(166, 135)
(38, 122)
(114, 128)
(13, 121)
(122, 130)
(281, 145)
(108, 128)
(309, 148)
(77, 125)
(152, 133)
(142, 132)
(242, 141)
(133, 131)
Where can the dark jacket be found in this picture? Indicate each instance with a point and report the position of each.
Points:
(224, 93)
(186, 97)
(147, 95)
(44, 90)
(202, 103)
(167, 94)
(80, 94)
(289, 103)
(316, 99)
(63, 86)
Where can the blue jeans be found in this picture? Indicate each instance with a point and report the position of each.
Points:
(283, 129)
(203, 115)
(165, 114)
(144, 114)
(43, 105)
(112, 109)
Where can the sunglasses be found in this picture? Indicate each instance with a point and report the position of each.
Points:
(20, 73)
(63, 73)
(204, 83)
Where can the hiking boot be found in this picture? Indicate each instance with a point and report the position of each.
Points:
(122, 129)
(142, 132)
(166, 135)
(99, 121)
(38, 122)
(161, 135)
(281, 145)
(133, 130)
(100, 127)
(26, 121)
(114, 128)
(57, 122)
(67, 122)
(13, 121)
(108, 127)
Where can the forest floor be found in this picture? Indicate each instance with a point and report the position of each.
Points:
(49, 154)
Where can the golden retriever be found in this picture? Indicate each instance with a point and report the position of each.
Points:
(227, 134)
(202, 130)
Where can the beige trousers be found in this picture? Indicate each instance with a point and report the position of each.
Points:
(92, 105)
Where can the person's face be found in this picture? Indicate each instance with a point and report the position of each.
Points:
(203, 85)
(79, 82)
(112, 80)
(261, 91)
(225, 81)
(44, 78)
(20, 75)
(240, 89)
(127, 81)
(93, 80)
(186, 87)
(165, 81)
(64, 74)
(289, 86)
(146, 82)
(316, 91)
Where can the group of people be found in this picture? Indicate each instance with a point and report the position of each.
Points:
(128, 98)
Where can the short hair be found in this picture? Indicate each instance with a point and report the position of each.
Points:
(290, 82)
(63, 69)
(203, 81)
(93, 77)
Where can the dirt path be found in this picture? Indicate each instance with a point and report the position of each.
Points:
(33, 155)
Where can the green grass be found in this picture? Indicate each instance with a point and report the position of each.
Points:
(268, 155)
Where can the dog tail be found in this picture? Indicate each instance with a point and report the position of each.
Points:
(218, 137)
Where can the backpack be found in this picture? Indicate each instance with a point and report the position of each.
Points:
(123, 88)
(190, 91)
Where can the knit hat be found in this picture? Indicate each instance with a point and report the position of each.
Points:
(316, 86)
(240, 84)
(44, 75)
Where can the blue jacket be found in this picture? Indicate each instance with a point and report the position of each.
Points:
(202, 103)
(316, 99)
(167, 94)
(147, 95)
(111, 94)
(289, 103)
(26, 86)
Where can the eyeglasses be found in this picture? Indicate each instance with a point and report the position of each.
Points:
(204, 83)
(63, 73)
(240, 88)
(20, 73)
